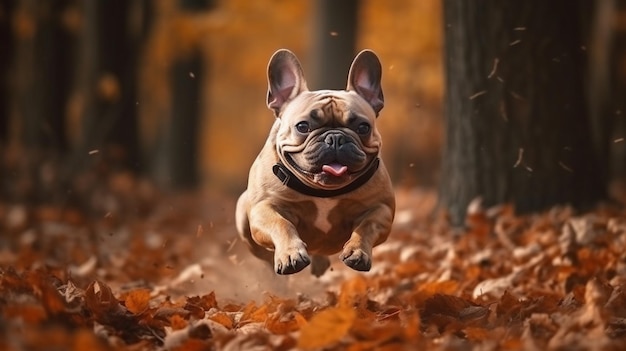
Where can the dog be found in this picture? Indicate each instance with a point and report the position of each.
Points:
(319, 186)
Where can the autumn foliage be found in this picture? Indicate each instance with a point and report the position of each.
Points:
(176, 278)
(94, 257)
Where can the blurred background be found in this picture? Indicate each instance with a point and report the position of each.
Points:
(137, 95)
(174, 90)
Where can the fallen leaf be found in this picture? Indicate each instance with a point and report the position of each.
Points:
(284, 323)
(453, 313)
(429, 289)
(177, 322)
(223, 319)
(137, 300)
(353, 291)
(326, 327)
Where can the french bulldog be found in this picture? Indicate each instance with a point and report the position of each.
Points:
(319, 185)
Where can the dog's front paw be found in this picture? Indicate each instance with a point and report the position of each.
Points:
(356, 259)
(291, 260)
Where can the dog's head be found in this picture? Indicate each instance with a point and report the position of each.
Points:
(327, 138)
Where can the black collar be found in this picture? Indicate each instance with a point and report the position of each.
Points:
(290, 180)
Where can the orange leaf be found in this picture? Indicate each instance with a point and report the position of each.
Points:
(352, 291)
(177, 322)
(84, 339)
(137, 300)
(428, 290)
(300, 320)
(408, 269)
(30, 314)
(223, 319)
(477, 333)
(411, 325)
(326, 327)
(192, 345)
(279, 323)
(259, 315)
(247, 310)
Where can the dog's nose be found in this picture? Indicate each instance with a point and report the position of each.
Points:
(335, 140)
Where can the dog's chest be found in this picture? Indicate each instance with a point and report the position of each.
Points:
(326, 224)
(322, 216)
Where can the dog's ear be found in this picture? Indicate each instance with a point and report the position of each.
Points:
(285, 79)
(364, 79)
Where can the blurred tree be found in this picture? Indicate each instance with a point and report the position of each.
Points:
(610, 32)
(6, 51)
(518, 128)
(176, 165)
(334, 43)
(182, 153)
(42, 71)
(108, 75)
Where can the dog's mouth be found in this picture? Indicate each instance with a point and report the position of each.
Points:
(335, 169)
(330, 175)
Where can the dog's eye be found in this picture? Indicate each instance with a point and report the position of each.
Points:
(363, 129)
(303, 127)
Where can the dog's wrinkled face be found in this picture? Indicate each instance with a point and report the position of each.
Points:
(331, 141)
(327, 138)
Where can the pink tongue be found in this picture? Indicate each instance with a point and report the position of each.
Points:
(335, 169)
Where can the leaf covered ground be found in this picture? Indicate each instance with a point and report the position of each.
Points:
(134, 269)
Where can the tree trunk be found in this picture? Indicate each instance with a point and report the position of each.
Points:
(334, 43)
(109, 76)
(616, 75)
(182, 155)
(42, 75)
(517, 128)
(176, 164)
(6, 55)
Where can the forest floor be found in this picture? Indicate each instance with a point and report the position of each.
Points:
(134, 269)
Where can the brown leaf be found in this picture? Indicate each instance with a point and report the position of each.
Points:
(106, 308)
(509, 307)
(99, 298)
(43, 284)
(445, 304)
(207, 301)
(195, 310)
(453, 313)
(200, 331)
(326, 327)
(13, 281)
(52, 299)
